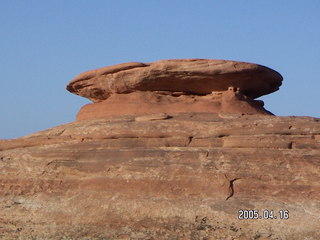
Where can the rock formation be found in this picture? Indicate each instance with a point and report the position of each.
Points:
(165, 174)
(182, 85)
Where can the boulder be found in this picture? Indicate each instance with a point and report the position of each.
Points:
(175, 86)
(193, 76)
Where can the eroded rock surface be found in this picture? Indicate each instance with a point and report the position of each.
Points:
(197, 76)
(179, 85)
(163, 176)
(147, 102)
(168, 150)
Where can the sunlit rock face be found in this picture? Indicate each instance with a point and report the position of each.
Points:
(197, 76)
(147, 102)
(175, 86)
(183, 171)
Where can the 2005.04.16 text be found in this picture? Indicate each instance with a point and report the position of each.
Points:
(264, 214)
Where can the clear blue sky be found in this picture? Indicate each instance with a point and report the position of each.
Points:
(44, 44)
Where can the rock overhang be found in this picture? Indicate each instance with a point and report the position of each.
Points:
(192, 76)
(200, 169)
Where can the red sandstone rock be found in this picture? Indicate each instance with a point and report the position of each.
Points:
(196, 76)
(163, 177)
(169, 150)
(146, 102)
(175, 86)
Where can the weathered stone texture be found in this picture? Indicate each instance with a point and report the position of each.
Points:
(146, 102)
(163, 176)
(168, 150)
(175, 86)
(197, 76)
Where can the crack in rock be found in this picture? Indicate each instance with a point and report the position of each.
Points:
(231, 188)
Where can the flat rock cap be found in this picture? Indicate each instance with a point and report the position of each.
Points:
(193, 76)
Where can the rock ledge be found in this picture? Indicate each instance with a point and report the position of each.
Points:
(179, 85)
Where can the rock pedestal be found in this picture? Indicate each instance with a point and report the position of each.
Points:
(175, 86)
(177, 172)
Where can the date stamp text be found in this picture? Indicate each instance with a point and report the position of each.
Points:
(263, 214)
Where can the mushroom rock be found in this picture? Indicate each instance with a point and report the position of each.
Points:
(141, 173)
(181, 85)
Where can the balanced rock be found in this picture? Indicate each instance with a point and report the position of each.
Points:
(181, 85)
(175, 149)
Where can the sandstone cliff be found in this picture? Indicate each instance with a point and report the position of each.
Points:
(164, 175)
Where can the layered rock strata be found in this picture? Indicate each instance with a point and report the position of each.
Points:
(176, 149)
(163, 176)
(181, 85)
(147, 102)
